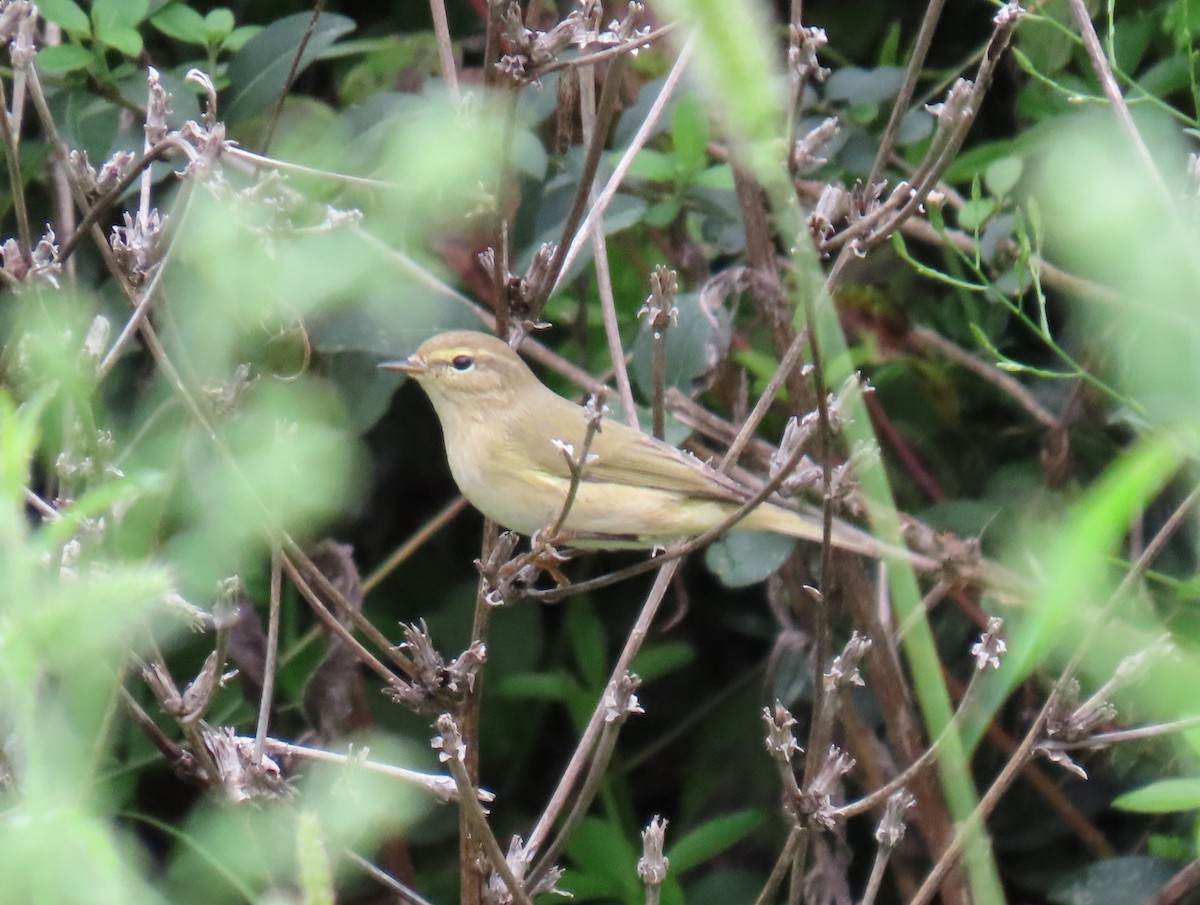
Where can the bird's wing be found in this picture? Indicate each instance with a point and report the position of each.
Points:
(627, 456)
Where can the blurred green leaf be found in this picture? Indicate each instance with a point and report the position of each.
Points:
(589, 643)
(1132, 37)
(1117, 881)
(716, 177)
(975, 161)
(653, 166)
(118, 13)
(724, 885)
(662, 214)
(1044, 41)
(917, 125)
(124, 38)
(1166, 796)
(713, 837)
(68, 14)
(181, 22)
(736, 66)
(1002, 175)
(657, 660)
(64, 58)
(316, 874)
(239, 37)
(1182, 22)
(1167, 75)
(604, 863)
(1077, 557)
(219, 24)
(539, 686)
(974, 213)
(689, 136)
(851, 85)
(1093, 234)
(390, 325)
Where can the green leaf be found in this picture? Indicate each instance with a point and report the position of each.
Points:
(1132, 37)
(538, 686)
(64, 58)
(712, 838)
(181, 22)
(696, 344)
(974, 213)
(600, 850)
(258, 72)
(889, 50)
(123, 38)
(589, 642)
(975, 161)
(354, 339)
(743, 558)
(863, 114)
(1182, 23)
(1002, 175)
(315, 874)
(917, 125)
(1166, 796)
(662, 214)
(689, 130)
(86, 123)
(67, 14)
(657, 660)
(1043, 40)
(653, 166)
(719, 176)
(112, 14)
(239, 37)
(1167, 76)
(1117, 881)
(853, 85)
(529, 155)
(219, 24)
(1170, 848)
(736, 63)
(377, 326)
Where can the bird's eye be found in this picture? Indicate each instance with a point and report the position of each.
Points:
(462, 362)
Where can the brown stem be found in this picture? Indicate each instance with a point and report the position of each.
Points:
(441, 30)
(273, 122)
(591, 734)
(916, 62)
(12, 156)
(469, 839)
(334, 625)
(269, 664)
(1095, 53)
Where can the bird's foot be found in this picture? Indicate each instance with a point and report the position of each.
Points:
(506, 574)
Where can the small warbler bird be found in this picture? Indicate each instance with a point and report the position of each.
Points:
(508, 438)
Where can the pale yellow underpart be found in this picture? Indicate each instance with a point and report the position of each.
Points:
(501, 425)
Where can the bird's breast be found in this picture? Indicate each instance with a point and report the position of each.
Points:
(499, 481)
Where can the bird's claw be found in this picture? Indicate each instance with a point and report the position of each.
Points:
(506, 574)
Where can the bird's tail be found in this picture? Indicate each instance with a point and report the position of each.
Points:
(844, 536)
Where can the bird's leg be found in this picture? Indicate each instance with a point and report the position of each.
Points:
(545, 556)
(505, 573)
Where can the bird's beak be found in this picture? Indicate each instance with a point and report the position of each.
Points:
(413, 366)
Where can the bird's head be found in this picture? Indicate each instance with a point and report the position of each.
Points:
(467, 368)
